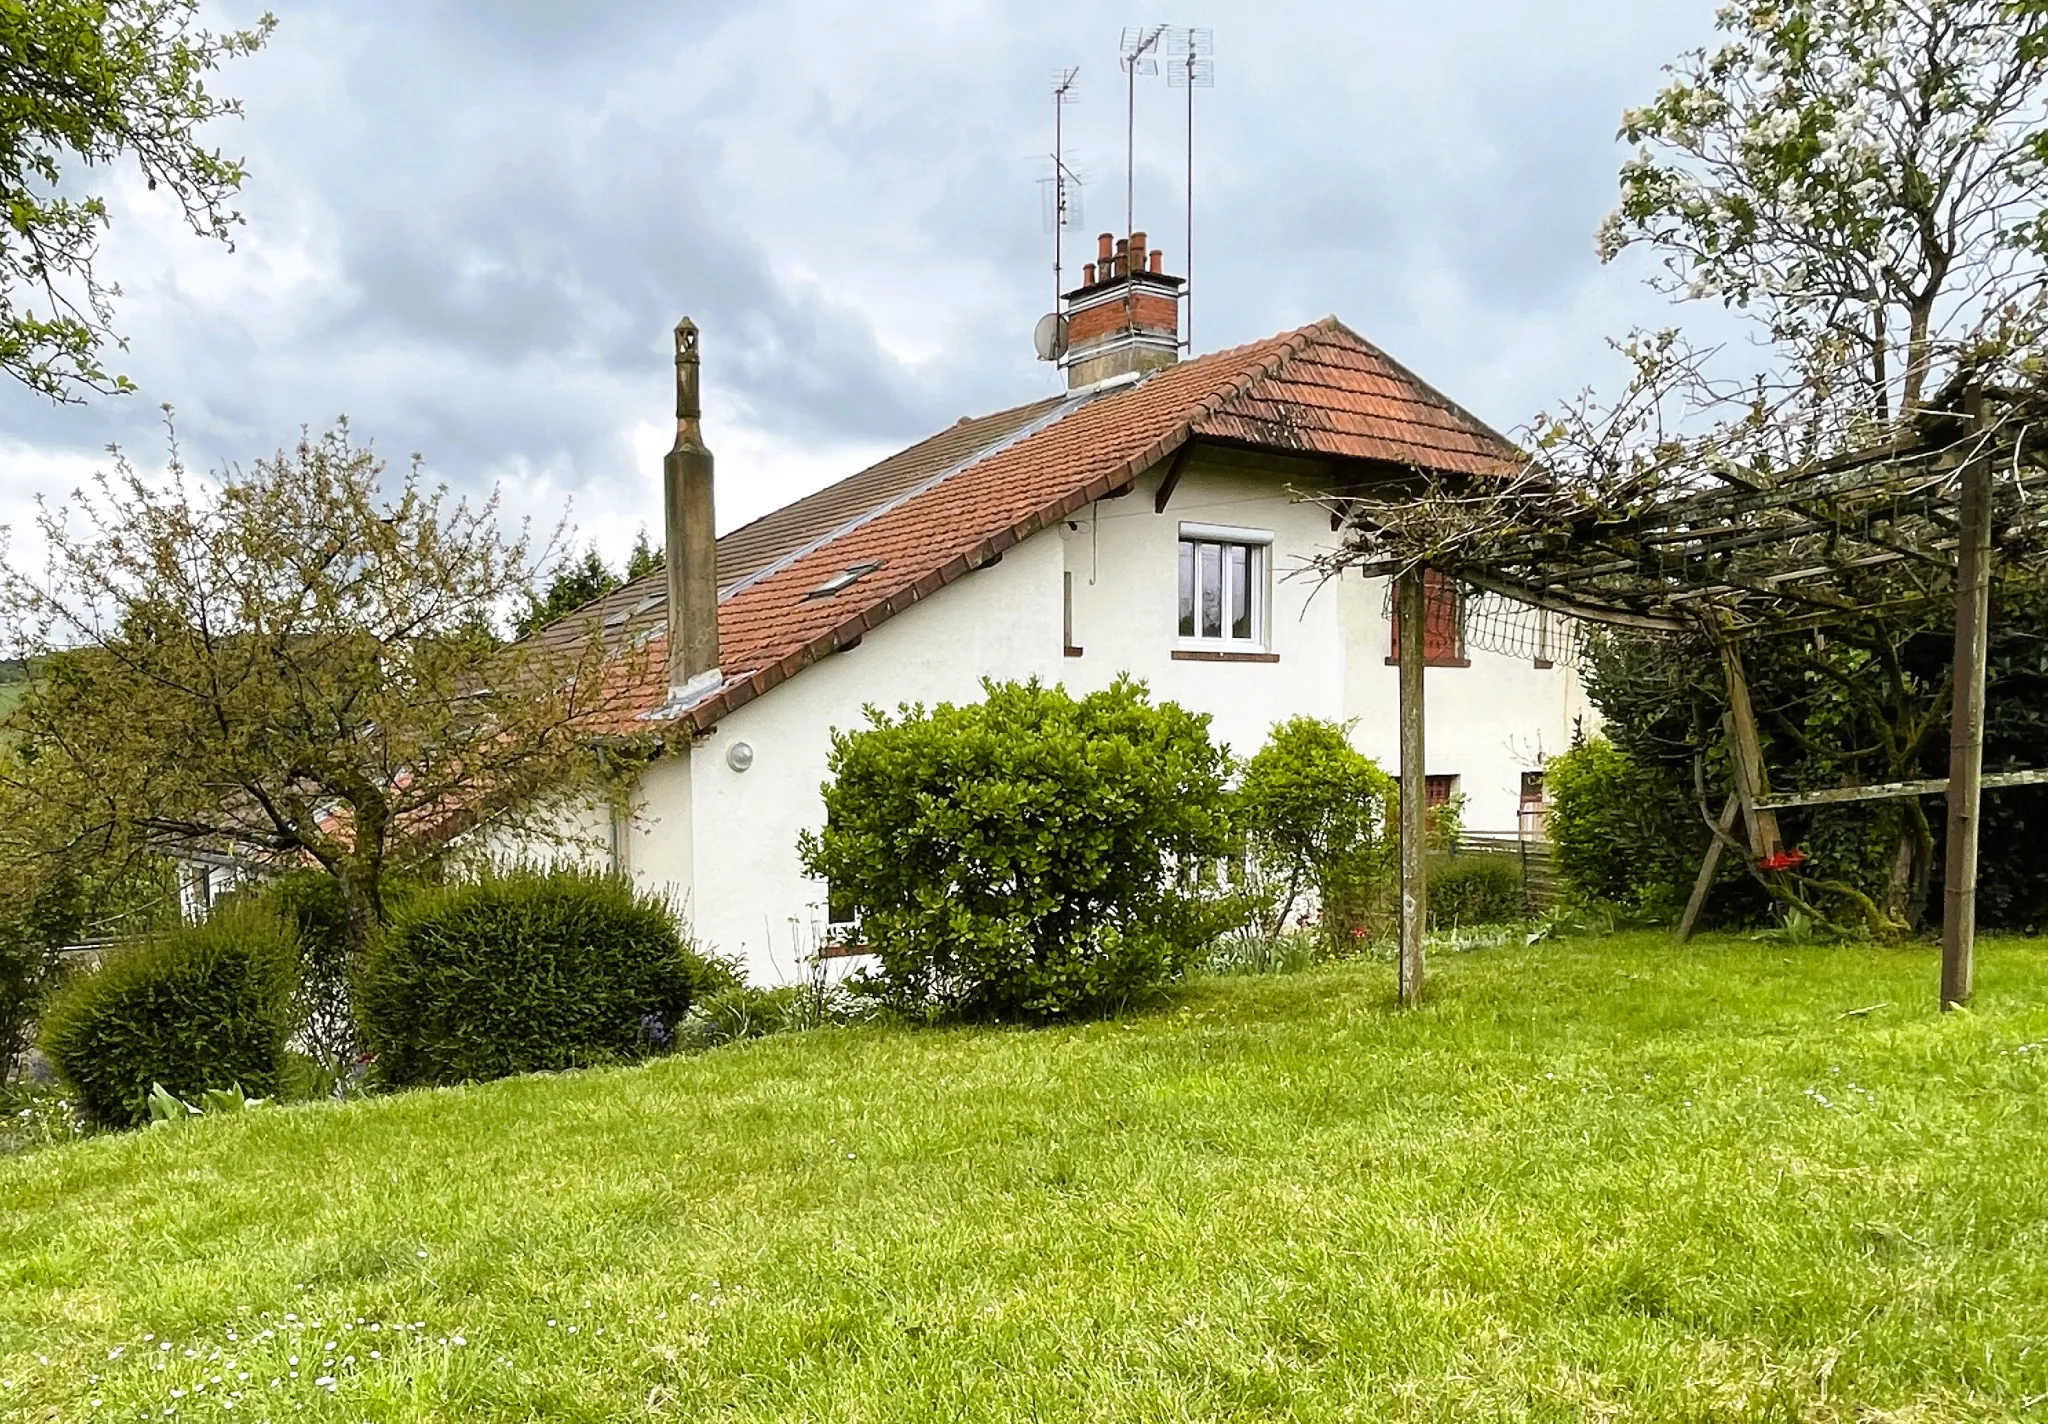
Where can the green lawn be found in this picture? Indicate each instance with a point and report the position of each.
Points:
(1590, 1180)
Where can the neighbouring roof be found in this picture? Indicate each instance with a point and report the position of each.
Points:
(948, 505)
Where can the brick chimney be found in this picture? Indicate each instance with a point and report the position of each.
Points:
(692, 539)
(1125, 315)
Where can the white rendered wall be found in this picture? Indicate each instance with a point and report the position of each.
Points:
(750, 895)
(724, 842)
(1486, 724)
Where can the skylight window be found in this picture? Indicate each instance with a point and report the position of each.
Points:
(844, 578)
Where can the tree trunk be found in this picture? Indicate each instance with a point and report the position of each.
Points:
(362, 894)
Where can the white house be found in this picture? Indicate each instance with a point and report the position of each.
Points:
(1150, 521)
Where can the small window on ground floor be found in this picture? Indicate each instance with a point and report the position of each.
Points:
(839, 908)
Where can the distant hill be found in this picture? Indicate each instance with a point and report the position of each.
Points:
(12, 671)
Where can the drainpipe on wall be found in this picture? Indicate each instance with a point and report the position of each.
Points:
(692, 539)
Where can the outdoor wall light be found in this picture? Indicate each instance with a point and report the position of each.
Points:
(740, 755)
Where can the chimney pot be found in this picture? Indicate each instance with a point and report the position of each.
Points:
(1102, 248)
(1121, 264)
(1088, 275)
(1158, 260)
(1137, 252)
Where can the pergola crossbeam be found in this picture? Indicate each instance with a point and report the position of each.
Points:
(1733, 553)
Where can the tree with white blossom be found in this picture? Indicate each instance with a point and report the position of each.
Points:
(1866, 177)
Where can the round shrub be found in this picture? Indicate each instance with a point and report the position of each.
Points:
(523, 972)
(1594, 822)
(1313, 810)
(1028, 856)
(1475, 890)
(203, 1006)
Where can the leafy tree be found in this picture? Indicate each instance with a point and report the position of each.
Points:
(644, 558)
(576, 583)
(294, 663)
(36, 922)
(88, 83)
(1866, 182)
(1031, 855)
(1312, 809)
(1865, 177)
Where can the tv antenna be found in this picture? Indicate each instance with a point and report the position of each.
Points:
(1063, 209)
(1190, 64)
(1065, 204)
(1138, 54)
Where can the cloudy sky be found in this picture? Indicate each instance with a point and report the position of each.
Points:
(472, 223)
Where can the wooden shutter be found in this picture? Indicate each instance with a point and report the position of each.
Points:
(1443, 622)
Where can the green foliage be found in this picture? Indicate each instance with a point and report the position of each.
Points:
(1475, 890)
(1313, 811)
(1248, 950)
(576, 583)
(1593, 821)
(1029, 856)
(310, 904)
(1856, 178)
(167, 1109)
(89, 82)
(204, 1006)
(294, 661)
(1869, 703)
(742, 1011)
(643, 559)
(35, 923)
(526, 971)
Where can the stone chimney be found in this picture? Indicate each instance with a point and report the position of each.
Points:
(1125, 315)
(692, 539)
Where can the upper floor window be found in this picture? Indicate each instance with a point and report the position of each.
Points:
(1223, 585)
(1443, 623)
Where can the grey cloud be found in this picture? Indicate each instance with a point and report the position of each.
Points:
(504, 206)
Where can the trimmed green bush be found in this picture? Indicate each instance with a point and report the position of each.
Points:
(203, 1006)
(1594, 822)
(1032, 855)
(1314, 811)
(1475, 890)
(526, 971)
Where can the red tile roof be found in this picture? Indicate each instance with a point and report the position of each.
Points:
(951, 504)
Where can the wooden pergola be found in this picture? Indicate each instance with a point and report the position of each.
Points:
(1730, 553)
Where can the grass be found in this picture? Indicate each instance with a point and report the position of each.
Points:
(1588, 1180)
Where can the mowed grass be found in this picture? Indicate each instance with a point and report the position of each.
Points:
(1588, 1180)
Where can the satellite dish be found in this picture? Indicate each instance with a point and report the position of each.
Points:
(1049, 337)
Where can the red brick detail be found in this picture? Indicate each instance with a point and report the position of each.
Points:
(1142, 311)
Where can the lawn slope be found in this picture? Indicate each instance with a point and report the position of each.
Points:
(1592, 1179)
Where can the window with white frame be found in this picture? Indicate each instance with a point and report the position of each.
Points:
(1223, 585)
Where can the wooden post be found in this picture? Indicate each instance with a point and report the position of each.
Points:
(1708, 865)
(1966, 720)
(1746, 749)
(1408, 604)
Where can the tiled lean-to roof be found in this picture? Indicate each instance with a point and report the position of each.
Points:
(949, 505)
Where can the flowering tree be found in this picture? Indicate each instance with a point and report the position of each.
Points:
(294, 664)
(1866, 177)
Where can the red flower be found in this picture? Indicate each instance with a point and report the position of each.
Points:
(1783, 860)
